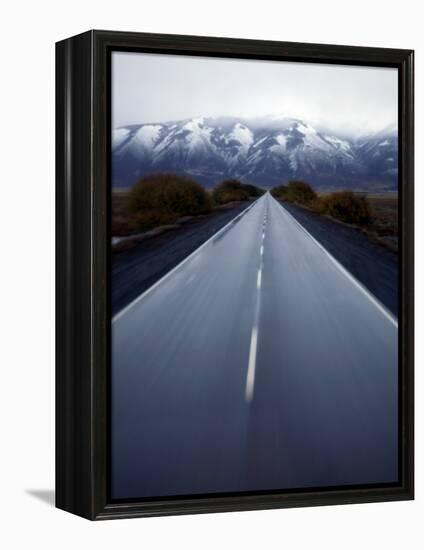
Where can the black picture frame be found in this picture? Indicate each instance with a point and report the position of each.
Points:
(82, 270)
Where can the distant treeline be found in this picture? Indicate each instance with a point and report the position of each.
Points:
(163, 198)
(342, 205)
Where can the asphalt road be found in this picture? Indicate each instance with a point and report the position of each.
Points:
(137, 269)
(372, 264)
(257, 364)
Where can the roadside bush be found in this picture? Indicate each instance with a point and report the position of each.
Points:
(229, 191)
(346, 206)
(301, 192)
(295, 191)
(232, 190)
(252, 190)
(160, 199)
(279, 192)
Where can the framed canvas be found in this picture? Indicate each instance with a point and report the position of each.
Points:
(234, 274)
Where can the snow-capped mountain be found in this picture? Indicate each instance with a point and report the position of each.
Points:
(265, 151)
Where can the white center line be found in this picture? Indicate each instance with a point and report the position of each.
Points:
(250, 381)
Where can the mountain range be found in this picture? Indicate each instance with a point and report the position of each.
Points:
(265, 151)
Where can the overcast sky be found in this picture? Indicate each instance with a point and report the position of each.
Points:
(159, 88)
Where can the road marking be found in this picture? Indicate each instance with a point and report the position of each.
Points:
(251, 368)
(173, 270)
(352, 279)
(259, 279)
(250, 380)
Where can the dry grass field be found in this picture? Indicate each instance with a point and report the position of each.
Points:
(384, 219)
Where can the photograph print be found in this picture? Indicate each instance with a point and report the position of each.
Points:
(254, 276)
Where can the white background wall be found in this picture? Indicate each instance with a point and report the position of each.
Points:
(28, 32)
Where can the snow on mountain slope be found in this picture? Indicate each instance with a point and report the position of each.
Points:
(119, 136)
(265, 151)
(147, 136)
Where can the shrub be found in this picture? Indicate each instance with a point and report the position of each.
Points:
(295, 191)
(279, 192)
(252, 190)
(342, 205)
(230, 190)
(160, 199)
(301, 192)
(346, 206)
